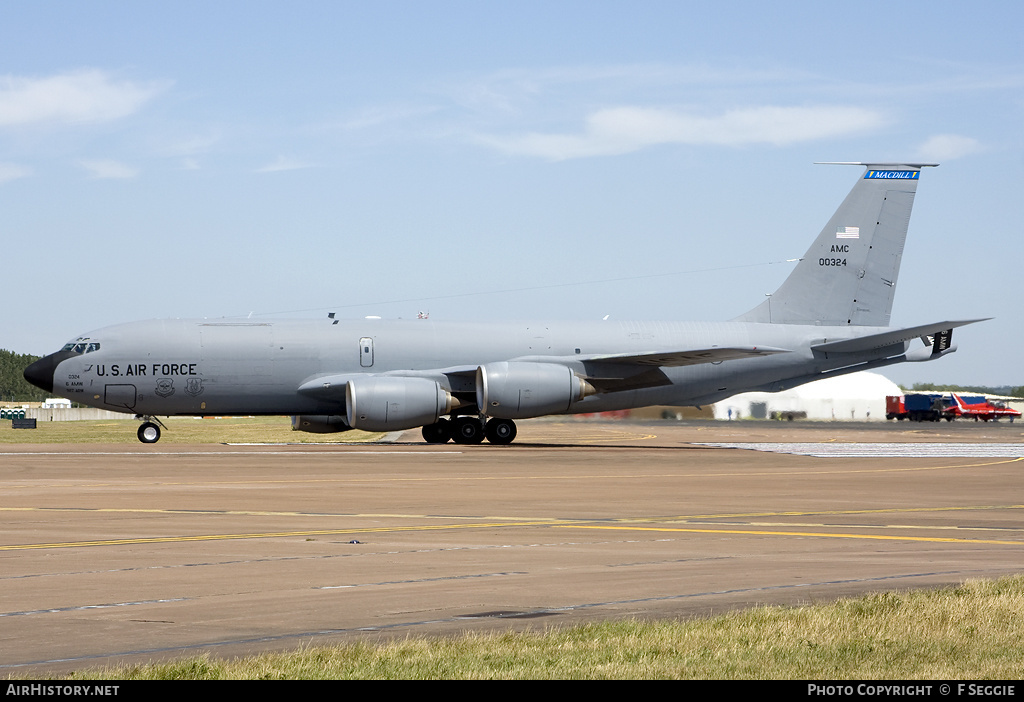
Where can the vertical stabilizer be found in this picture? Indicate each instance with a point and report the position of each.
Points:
(848, 276)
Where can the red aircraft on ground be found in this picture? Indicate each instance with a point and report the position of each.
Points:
(981, 410)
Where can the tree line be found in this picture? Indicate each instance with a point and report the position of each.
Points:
(13, 386)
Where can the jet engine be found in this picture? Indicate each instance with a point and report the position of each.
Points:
(319, 423)
(519, 389)
(386, 403)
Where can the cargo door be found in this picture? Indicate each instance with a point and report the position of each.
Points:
(119, 395)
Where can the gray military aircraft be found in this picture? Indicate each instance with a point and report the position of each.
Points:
(465, 382)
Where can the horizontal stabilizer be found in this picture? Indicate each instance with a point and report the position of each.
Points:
(892, 337)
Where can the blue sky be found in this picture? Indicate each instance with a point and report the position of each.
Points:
(488, 160)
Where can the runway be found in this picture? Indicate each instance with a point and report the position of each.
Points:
(136, 553)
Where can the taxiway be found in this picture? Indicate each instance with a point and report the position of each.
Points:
(134, 553)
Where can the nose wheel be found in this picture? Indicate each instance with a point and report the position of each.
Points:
(149, 431)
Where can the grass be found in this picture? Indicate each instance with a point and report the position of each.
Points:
(974, 631)
(179, 430)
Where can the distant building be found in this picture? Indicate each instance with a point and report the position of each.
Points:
(857, 396)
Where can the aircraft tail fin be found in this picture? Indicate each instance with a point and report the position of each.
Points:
(848, 275)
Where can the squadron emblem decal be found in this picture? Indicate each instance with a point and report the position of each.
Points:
(164, 387)
(194, 386)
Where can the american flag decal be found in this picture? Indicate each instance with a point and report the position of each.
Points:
(848, 233)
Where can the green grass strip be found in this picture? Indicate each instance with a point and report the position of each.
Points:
(974, 631)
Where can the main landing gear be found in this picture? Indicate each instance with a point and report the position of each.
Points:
(466, 429)
(149, 431)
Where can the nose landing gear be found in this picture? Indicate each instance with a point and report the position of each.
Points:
(149, 431)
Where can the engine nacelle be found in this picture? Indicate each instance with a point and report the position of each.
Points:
(386, 403)
(320, 423)
(520, 389)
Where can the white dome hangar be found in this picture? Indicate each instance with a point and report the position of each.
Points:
(854, 397)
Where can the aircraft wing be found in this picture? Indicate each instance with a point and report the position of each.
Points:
(891, 337)
(606, 372)
(633, 371)
(675, 358)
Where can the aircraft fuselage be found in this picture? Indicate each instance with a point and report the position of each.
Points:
(226, 367)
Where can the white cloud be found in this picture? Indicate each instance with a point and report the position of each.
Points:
(514, 90)
(623, 130)
(186, 150)
(944, 147)
(12, 171)
(106, 168)
(385, 115)
(190, 145)
(284, 163)
(75, 97)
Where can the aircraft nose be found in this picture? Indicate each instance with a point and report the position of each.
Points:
(40, 373)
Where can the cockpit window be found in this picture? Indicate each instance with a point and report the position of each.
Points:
(81, 346)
